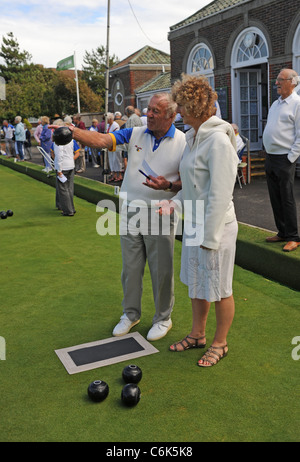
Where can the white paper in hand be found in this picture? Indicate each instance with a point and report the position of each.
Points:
(62, 178)
(148, 169)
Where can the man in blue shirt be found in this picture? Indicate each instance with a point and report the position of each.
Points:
(157, 151)
(124, 136)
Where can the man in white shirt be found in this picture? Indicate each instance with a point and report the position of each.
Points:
(282, 143)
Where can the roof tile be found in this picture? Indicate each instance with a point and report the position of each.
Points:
(212, 8)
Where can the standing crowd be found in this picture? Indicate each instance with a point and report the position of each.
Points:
(17, 139)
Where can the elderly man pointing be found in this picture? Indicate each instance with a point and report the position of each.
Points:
(157, 151)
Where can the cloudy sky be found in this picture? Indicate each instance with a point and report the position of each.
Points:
(51, 31)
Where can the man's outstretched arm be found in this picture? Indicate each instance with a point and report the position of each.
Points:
(92, 139)
(88, 138)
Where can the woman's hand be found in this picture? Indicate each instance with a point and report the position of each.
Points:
(165, 207)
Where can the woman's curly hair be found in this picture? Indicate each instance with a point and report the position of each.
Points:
(196, 95)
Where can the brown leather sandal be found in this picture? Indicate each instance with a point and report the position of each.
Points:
(188, 345)
(212, 356)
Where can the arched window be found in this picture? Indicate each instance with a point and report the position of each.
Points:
(200, 61)
(249, 57)
(250, 48)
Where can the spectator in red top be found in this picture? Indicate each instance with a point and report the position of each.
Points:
(78, 122)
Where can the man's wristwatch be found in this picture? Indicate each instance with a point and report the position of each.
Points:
(170, 187)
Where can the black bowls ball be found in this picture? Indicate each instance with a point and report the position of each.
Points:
(132, 374)
(9, 213)
(131, 394)
(98, 390)
(62, 136)
(3, 215)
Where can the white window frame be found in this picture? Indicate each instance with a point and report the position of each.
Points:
(236, 65)
(208, 72)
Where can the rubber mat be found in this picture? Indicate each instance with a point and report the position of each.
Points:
(101, 353)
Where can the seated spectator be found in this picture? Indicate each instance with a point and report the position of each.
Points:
(240, 145)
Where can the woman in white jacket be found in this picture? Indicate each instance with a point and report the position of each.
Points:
(208, 173)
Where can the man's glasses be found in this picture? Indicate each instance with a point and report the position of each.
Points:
(281, 80)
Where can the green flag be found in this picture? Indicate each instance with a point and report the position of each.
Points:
(66, 63)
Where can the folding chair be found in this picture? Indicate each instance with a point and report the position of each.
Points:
(47, 158)
(240, 173)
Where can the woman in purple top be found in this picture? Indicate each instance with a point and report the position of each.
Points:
(46, 140)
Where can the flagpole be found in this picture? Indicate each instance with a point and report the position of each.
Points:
(77, 86)
(105, 171)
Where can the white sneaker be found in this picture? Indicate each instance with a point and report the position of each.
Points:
(124, 326)
(159, 330)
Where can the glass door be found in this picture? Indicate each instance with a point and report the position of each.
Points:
(250, 106)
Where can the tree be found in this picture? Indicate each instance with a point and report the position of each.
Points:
(26, 90)
(33, 91)
(14, 58)
(94, 69)
(62, 97)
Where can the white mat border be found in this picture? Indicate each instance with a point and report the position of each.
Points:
(70, 366)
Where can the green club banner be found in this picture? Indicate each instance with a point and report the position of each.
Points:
(66, 63)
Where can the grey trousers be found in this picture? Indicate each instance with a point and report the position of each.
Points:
(65, 193)
(80, 161)
(158, 249)
(10, 147)
(94, 155)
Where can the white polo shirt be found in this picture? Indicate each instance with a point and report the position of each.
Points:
(282, 132)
